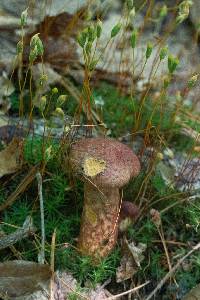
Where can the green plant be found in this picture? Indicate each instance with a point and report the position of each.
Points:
(84, 270)
(156, 117)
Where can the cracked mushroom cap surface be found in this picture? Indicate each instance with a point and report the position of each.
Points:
(104, 161)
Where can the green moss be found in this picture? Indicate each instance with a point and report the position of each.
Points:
(62, 211)
(117, 110)
(83, 269)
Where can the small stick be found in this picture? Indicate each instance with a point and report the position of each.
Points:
(20, 189)
(173, 270)
(171, 242)
(129, 291)
(12, 248)
(42, 252)
(162, 237)
(22, 233)
(73, 291)
(52, 281)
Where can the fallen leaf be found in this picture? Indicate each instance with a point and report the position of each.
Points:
(20, 188)
(26, 280)
(130, 262)
(99, 294)
(126, 269)
(8, 132)
(19, 277)
(10, 158)
(167, 173)
(3, 120)
(194, 294)
(20, 234)
(137, 252)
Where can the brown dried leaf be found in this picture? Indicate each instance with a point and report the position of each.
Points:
(26, 280)
(21, 233)
(130, 262)
(20, 188)
(137, 252)
(99, 294)
(8, 132)
(126, 269)
(193, 294)
(3, 120)
(10, 158)
(19, 278)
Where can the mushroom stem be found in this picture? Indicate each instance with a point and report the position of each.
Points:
(99, 227)
(106, 165)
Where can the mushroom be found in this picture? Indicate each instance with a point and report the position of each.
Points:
(128, 214)
(106, 165)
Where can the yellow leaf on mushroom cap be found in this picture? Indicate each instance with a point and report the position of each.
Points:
(93, 166)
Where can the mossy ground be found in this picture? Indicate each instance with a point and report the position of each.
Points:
(63, 201)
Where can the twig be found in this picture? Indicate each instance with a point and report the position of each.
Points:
(19, 234)
(42, 252)
(171, 243)
(20, 189)
(101, 288)
(173, 270)
(178, 202)
(12, 248)
(129, 291)
(73, 291)
(52, 281)
(162, 237)
(104, 285)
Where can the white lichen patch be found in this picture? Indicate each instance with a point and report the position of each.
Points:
(93, 166)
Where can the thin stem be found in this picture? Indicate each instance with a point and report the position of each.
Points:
(42, 253)
(173, 270)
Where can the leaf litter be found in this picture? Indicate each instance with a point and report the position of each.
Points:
(11, 158)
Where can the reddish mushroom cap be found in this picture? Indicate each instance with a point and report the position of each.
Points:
(118, 163)
(129, 210)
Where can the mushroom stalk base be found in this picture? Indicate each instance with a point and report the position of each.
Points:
(99, 227)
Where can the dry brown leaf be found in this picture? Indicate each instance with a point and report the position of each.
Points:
(99, 294)
(10, 158)
(20, 188)
(3, 120)
(130, 262)
(8, 132)
(26, 280)
(19, 234)
(194, 294)
(19, 278)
